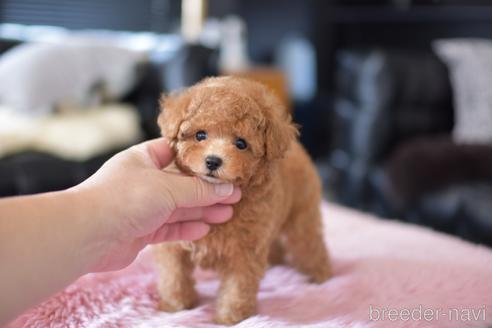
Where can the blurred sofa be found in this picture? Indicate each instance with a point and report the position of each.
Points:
(392, 151)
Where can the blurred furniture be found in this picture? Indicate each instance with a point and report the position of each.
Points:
(392, 150)
(34, 172)
(393, 110)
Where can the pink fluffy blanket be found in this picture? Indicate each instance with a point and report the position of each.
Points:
(387, 274)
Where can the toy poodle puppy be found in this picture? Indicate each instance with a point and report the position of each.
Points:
(235, 130)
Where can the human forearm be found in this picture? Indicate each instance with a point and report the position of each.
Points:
(47, 241)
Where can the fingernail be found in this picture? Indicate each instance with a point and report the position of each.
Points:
(224, 189)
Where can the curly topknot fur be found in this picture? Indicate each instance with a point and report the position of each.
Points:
(279, 209)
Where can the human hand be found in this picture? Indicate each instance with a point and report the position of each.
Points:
(137, 203)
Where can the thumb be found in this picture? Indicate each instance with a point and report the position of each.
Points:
(193, 192)
(158, 150)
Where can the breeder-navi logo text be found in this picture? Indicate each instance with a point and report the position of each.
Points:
(422, 313)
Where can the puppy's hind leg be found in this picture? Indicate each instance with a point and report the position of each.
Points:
(175, 284)
(305, 245)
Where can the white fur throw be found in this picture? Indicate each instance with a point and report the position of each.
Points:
(74, 135)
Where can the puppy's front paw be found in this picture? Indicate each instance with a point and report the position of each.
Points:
(178, 303)
(321, 274)
(175, 306)
(232, 314)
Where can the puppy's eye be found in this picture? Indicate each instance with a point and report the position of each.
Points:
(241, 143)
(201, 135)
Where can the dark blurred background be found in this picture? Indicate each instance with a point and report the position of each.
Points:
(392, 95)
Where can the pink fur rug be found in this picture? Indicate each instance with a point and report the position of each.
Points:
(387, 274)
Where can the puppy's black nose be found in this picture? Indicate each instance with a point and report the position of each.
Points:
(213, 162)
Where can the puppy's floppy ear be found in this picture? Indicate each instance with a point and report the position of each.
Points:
(174, 108)
(279, 134)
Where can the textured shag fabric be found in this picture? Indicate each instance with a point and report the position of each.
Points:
(379, 265)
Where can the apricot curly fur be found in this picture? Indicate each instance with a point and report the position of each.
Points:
(281, 191)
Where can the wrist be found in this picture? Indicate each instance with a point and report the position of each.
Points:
(90, 220)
